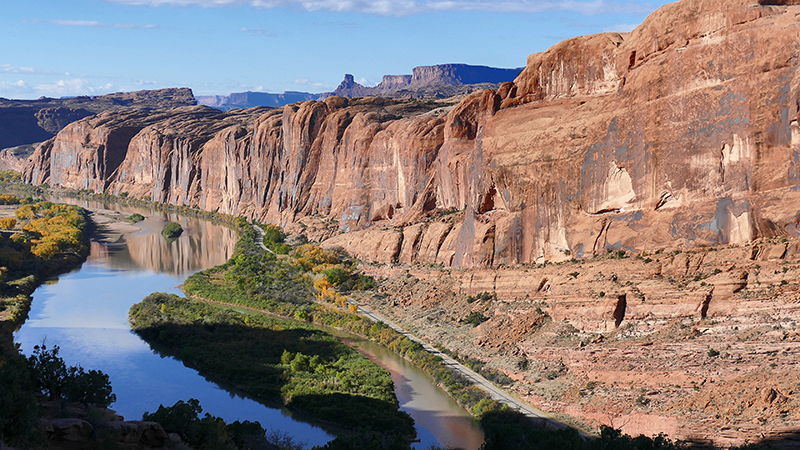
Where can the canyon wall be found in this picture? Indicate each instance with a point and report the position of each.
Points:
(681, 134)
(26, 122)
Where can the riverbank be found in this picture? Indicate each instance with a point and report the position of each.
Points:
(309, 369)
(276, 359)
(110, 226)
(240, 282)
(101, 225)
(62, 244)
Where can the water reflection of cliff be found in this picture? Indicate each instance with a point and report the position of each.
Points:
(202, 245)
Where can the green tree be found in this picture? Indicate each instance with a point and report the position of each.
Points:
(207, 433)
(57, 381)
(273, 234)
(92, 387)
(287, 357)
(336, 275)
(49, 371)
(301, 363)
(19, 410)
(172, 230)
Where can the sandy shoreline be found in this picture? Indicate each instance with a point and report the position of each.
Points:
(111, 226)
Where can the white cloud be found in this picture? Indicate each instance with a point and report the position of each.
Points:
(95, 24)
(10, 85)
(69, 88)
(409, 7)
(8, 68)
(311, 84)
(15, 89)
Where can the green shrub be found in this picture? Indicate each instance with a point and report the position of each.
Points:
(172, 230)
(475, 318)
(57, 381)
(210, 432)
(482, 296)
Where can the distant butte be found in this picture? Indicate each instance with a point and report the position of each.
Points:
(444, 80)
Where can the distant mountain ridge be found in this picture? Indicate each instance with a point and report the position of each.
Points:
(24, 122)
(443, 80)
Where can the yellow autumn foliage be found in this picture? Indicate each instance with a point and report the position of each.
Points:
(59, 229)
(8, 223)
(328, 294)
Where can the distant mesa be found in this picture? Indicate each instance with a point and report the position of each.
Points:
(443, 80)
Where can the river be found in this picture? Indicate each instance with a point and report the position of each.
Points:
(85, 313)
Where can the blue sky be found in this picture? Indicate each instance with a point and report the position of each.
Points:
(61, 48)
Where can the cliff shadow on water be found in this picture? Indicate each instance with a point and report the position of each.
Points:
(275, 361)
(230, 386)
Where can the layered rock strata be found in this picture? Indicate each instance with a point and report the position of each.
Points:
(681, 134)
(702, 346)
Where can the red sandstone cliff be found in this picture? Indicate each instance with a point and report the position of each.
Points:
(682, 133)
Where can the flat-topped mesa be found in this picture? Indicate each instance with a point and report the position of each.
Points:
(156, 98)
(460, 74)
(394, 82)
(681, 134)
(424, 80)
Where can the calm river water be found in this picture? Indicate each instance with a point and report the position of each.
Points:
(85, 313)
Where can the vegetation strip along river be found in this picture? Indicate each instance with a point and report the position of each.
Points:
(85, 312)
(95, 337)
(254, 278)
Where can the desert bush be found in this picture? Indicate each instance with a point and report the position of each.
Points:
(8, 223)
(172, 230)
